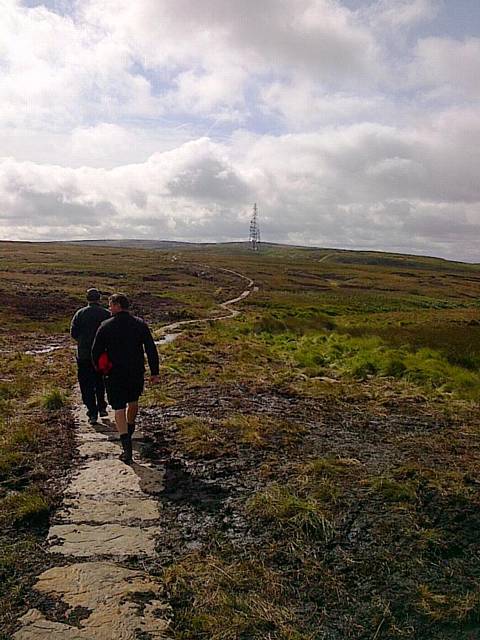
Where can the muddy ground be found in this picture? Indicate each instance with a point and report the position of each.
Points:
(363, 580)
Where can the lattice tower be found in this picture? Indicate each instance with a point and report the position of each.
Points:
(254, 238)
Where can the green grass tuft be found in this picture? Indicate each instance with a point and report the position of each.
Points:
(287, 511)
(24, 507)
(54, 399)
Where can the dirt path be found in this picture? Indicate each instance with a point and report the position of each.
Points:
(110, 516)
(224, 305)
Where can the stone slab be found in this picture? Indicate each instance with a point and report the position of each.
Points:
(111, 476)
(112, 539)
(93, 436)
(121, 509)
(109, 592)
(99, 448)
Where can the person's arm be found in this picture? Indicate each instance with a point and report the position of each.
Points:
(75, 327)
(99, 345)
(151, 351)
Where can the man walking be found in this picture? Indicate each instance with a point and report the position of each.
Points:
(83, 328)
(123, 339)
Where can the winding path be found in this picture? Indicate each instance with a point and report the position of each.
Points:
(224, 305)
(109, 515)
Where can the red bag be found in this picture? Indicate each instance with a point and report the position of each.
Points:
(104, 365)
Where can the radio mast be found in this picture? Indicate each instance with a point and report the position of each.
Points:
(254, 238)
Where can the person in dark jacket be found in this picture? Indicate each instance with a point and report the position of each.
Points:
(123, 338)
(83, 328)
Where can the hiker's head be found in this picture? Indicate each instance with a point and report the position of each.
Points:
(93, 295)
(118, 302)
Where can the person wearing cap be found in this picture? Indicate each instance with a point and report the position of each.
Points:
(120, 346)
(83, 328)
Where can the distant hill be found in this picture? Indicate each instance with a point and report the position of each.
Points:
(290, 252)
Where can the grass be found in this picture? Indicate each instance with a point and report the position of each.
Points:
(289, 513)
(449, 608)
(320, 353)
(393, 490)
(35, 449)
(53, 399)
(230, 600)
(24, 507)
(199, 438)
(207, 438)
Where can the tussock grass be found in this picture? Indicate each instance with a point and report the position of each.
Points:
(199, 438)
(19, 441)
(230, 599)
(361, 358)
(249, 429)
(24, 507)
(320, 477)
(443, 482)
(449, 608)
(53, 399)
(393, 490)
(262, 430)
(243, 352)
(299, 323)
(288, 512)
(11, 462)
(329, 466)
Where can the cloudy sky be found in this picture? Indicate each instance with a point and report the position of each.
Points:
(352, 123)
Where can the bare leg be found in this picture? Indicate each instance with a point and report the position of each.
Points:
(121, 420)
(132, 410)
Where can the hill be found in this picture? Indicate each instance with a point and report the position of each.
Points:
(339, 256)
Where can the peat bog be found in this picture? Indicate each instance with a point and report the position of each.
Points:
(321, 449)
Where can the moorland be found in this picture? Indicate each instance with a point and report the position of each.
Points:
(321, 449)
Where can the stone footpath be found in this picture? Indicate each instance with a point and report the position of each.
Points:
(107, 516)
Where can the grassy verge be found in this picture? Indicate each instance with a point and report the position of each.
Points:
(36, 439)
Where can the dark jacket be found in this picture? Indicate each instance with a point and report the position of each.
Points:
(124, 337)
(84, 327)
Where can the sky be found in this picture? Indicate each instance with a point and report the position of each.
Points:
(351, 123)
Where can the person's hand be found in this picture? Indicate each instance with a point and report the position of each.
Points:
(154, 379)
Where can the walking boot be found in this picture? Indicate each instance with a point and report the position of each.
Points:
(131, 428)
(126, 440)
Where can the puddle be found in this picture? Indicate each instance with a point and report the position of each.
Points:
(167, 338)
(34, 352)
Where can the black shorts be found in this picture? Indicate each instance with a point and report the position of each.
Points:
(122, 390)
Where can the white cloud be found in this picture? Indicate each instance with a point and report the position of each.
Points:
(448, 67)
(343, 141)
(303, 105)
(367, 184)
